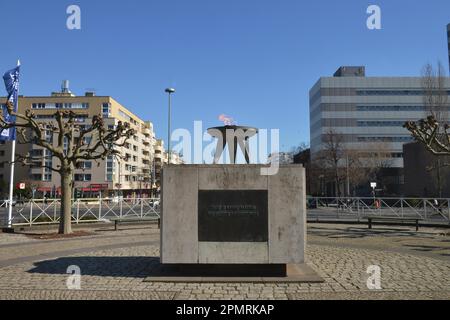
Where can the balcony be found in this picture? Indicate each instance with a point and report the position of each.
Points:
(147, 132)
(146, 171)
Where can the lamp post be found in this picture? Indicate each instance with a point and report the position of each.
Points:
(169, 91)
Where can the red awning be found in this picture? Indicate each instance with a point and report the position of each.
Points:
(90, 189)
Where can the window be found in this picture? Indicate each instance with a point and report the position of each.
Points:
(83, 177)
(49, 135)
(403, 139)
(124, 115)
(80, 119)
(36, 177)
(87, 140)
(390, 108)
(47, 177)
(66, 145)
(37, 153)
(48, 165)
(400, 92)
(381, 123)
(109, 169)
(106, 109)
(85, 165)
(38, 106)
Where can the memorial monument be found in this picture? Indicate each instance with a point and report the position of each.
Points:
(229, 220)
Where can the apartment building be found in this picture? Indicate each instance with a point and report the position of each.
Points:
(368, 112)
(161, 158)
(129, 174)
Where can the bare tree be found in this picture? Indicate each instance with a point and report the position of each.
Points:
(331, 157)
(350, 167)
(74, 144)
(435, 95)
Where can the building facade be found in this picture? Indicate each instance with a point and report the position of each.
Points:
(448, 40)
(128, 175)
(367, 112)
(426, 175)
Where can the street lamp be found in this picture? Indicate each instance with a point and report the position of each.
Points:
(169, 91)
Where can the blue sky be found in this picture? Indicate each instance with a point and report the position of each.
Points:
(254, 60)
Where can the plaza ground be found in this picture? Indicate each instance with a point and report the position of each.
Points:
(114, 265)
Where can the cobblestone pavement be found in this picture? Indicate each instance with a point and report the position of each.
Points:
(114, 265)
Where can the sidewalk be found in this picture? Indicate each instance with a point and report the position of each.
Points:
(114, 265)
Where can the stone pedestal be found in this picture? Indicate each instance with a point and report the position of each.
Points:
(233, 215)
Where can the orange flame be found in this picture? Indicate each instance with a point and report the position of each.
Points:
(228, 121)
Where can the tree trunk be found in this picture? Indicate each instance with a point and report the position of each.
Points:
(338, 182)
(65, 225)
(439, 178)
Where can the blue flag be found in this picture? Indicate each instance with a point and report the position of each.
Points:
(11, 79)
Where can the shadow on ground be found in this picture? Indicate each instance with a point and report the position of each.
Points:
(358, 233)
(133, 267)
(143, 267)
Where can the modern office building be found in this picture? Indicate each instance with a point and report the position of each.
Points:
(448, 40)
(367, 112)
(128, 175)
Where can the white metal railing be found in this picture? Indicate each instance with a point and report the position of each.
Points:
(36, 212)
(427, 209)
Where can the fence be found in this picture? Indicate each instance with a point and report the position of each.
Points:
(428, 210)
(35, 212)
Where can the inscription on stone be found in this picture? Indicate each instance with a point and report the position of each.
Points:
(233, 216)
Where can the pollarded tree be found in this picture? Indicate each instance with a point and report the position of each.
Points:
(74, 144)
(435, 136)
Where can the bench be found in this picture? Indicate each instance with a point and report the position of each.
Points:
(117, 221)
(373, 219)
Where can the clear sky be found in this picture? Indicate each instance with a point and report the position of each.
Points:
(254, 60)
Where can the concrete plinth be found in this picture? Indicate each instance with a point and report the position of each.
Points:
(277, 206)
(197, 273)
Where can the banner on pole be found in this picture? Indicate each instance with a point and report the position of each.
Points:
(11, 79)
